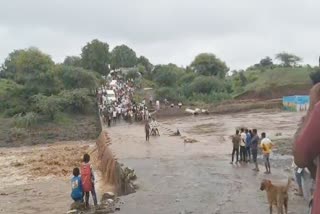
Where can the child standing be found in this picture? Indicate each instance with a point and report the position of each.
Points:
(76, 185)
(87, 179)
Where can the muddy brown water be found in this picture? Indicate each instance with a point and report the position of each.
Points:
(173, 176)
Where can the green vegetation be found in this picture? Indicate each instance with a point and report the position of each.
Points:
(36, 92)
(123, 57)
(315, 76)
(277, 77)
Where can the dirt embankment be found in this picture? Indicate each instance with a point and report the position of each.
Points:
(230, 106)
(73, 128)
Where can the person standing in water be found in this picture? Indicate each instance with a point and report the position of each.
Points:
(147, 130)
(243, 146)
(88, 179)
(236, 139)
(254, 148)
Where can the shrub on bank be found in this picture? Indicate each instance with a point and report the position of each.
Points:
(26, 120)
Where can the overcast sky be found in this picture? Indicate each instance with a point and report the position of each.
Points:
(240, 32)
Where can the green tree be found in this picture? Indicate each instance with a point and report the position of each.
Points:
(206, 85)
(73, 61)
(167, 75)
(288, 60)
(146, 63)
(187, 78)
(77, 100)
(95, 56)
(123, 57)
(12, 99)
(315, 76)
(243, 78)
(33, 69)
(133, 73)
(169, 93)
(265, 62)
(47, 105)
(209, 65)
(26, 65)
(76, 77)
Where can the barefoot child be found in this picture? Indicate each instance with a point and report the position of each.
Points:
(87, 179)
(76, 185)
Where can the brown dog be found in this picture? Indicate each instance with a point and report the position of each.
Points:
(277, 195)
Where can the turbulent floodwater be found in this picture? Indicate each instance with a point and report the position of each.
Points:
(173, 176)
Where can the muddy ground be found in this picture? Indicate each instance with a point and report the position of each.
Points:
(173, 176)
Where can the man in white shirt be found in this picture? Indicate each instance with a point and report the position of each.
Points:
(119, 111)
(243, 146)
(114, 114)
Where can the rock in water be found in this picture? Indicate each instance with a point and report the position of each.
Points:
(77, 206)
(72, 212)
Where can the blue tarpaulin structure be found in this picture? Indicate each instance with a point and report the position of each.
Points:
(296, 103)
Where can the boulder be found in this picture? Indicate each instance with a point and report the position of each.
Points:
(77, 206)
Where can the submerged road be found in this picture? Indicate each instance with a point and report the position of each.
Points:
(177, 177)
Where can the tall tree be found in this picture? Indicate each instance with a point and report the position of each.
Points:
(123, 57)
(265, 62)
(208, 64)
(95, 56)
(146, 63)
(167, 75)
(26, 64)
(73, 61)
(75, 77)
(287, 59)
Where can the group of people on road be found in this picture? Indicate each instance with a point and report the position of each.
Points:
(121, 105)
(246, 145)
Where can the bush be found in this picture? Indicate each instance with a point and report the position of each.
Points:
(210, 98)
(167, 75)
(133, 74)
(187, 78)
(252, 77)
(47, 105)
(168, 93)
(78, 100)
(18, 132)
(26, 120)
(315, 76)
(205, 85)
(75, 77)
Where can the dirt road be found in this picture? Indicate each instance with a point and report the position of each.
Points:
(174, 177)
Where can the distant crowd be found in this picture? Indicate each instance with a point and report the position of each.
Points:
(116, 102)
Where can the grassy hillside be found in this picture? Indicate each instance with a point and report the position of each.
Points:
(276, 82)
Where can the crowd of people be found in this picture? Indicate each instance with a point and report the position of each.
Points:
(121, 104)
(246, 145)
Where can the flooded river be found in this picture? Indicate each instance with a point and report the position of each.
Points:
(173, 176)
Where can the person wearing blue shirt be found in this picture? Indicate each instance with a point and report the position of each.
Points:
(76, 185)
(248, 144)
